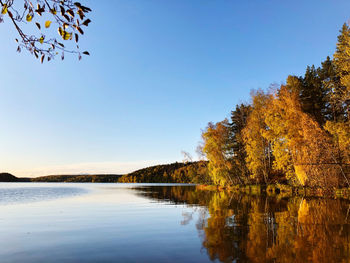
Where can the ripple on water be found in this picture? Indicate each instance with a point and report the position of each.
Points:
(20, 195)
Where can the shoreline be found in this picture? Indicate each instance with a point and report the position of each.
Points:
(280, 190)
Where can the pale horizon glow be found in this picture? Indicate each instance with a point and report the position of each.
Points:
(85, 168)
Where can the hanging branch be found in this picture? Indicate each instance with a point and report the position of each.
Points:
(68, 17)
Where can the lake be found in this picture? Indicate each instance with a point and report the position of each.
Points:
(61, 222)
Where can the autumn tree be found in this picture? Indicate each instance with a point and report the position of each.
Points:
(299, 131)
(282, 121)
(339, 127)
(340, 132)
(295, 148)
(217, 149)
(66, 16)
(258, 148)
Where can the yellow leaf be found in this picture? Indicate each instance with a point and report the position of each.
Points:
(4, 9)
(47, 23)
(29, 18)
(41, 40)
(66, 35)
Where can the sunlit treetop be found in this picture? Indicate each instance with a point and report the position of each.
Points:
(40, 17)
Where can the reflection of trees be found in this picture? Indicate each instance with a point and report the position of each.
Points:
(245, 228)
(324, 228)
(240, 227)
(313, 230)
(223, 233)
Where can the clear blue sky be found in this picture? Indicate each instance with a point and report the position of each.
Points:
(159, 71)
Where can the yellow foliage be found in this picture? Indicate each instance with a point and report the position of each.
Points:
(341, 136)
(296, 150)
(303, 211)
(215, 148)
(48, 23)
(256, 145)
(300, 174)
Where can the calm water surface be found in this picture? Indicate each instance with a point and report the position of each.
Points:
(162, 223)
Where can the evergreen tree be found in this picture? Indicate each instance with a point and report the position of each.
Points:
(312, 95)
(333, 90)
(239, 118)
(342, 64)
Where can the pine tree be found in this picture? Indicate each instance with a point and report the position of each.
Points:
(239, 118)
(342, 64)
(312, 94)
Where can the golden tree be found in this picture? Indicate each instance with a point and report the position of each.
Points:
(300, 146)
(258, 148)
(216, 147)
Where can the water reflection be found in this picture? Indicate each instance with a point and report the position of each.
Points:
(245, 228)
(28, 193)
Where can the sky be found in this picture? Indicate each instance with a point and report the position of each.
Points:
(159, 71)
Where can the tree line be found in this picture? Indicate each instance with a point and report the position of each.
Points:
(184, 172)
(297, 133)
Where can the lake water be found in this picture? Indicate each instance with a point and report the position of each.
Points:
(42, 222)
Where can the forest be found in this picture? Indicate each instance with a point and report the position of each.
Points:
(297, 133)
(184, 172)
(82, 178)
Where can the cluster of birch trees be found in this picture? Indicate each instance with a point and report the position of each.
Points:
(297, 133)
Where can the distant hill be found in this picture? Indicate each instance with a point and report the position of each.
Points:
(7, 177)
(89, 178)
(190, 172)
